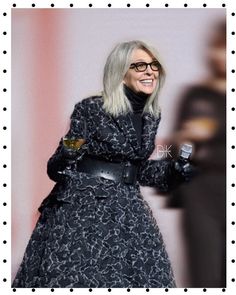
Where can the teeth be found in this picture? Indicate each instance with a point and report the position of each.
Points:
(146, 81)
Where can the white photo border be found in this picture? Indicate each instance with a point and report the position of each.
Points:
(6, 8)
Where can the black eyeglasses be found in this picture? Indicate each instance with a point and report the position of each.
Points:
(142, 66)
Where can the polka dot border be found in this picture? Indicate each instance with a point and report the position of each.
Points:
(6, 109)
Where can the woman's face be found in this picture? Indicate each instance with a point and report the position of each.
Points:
(141, 82)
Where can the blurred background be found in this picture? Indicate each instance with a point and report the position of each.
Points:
(57, 60)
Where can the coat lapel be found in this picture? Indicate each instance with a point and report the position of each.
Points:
(150, 124)
(124, 124)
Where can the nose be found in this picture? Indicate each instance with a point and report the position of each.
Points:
(149, 69)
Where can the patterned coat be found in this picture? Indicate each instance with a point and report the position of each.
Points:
(92, 231)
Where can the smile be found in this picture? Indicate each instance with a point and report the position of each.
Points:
(146, 82)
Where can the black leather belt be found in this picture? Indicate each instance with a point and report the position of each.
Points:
(124, 172)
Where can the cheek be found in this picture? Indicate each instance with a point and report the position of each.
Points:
(156, 75)
(131, 79)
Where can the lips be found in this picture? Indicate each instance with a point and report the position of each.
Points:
(146, 82)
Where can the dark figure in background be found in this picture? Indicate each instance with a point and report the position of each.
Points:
(95, 228)
(201, 120)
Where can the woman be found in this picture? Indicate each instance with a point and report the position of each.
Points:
(202, 120)
(95, 229)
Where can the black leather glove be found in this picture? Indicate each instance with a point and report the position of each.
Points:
(70, 157)
(185, 169)
(64, 161)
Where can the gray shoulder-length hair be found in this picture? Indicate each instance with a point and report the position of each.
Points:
(117, 65)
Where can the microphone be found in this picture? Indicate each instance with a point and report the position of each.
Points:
(182, 165)
(185, 152)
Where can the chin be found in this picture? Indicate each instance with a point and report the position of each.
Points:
(147, 91)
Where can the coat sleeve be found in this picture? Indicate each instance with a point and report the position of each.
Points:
(160, 174)
(63, 160)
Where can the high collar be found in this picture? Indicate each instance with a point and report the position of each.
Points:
(137, 100)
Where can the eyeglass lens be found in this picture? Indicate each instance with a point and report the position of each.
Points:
(142, 66)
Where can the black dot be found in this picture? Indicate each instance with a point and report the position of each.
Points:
(233, 109)
(14, 5)
(71, 5)
(166, 290)
(233, 33)
(233, 242)
(185, 5)
(233, 222)
(109, 5)
(232, 260)
(33, 290)
(52, 290)
(4, 223)
(109, 290)
(233, 204)
(4, 242)
(4, 261)
(147, 290)
(233, 52)
(4, 147)
(233, 14)
(233, 280)
(4, 90)
(4, 52)
(233, 166)
(233, 147)
(147, 5)
(204, 290)
(4, 204)
(4, 71)
(223, 5)
(52, 5)
(90, 5)
(232, 89)
(4, 108)
(71, 290)
(4, 280)
(4, 33)
(166, 5)
(90, 290)
(185, 290)
(4, 128)
(33, 5)
(128, 5)
(128, 290)
(232, 127)
(14, 290)
(4, 14)
(204, 5)
(223, 290)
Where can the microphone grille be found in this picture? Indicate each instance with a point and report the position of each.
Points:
(186, 151)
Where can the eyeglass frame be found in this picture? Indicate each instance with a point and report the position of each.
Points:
(135, 67)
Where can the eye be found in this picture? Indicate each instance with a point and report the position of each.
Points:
(141, 65)
(155, 65)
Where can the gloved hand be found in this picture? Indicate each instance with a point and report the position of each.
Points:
(70, 156)
(64, 161)
(185, 169)
(69, 153)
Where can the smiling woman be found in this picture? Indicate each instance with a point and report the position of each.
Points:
(143, 72)
(121, 69)
(95, 228)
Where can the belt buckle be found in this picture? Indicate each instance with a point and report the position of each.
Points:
(129, 173)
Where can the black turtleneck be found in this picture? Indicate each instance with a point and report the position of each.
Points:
(137, 101)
